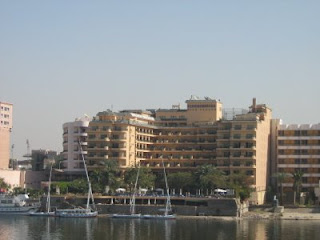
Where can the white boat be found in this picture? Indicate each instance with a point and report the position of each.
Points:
(168, 208)
(133, 213)
(10, 204)
(80, 212)
(47, 213)
(76, 213)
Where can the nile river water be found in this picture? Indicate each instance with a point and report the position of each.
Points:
(24, 227)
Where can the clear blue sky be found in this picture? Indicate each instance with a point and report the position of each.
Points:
(61, 59)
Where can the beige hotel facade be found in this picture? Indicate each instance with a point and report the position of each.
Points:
(298, 149)
(5, 132)
(184, 139)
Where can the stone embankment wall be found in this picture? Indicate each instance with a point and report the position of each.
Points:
(186, 207)
(215, 207)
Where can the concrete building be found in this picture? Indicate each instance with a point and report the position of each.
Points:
(298, 148)
(42, 159)
(186, 138)
(73, 132)
(5, 131)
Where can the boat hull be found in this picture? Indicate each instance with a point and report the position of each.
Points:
(17, 210)
(42, 214)
(127, 216)
(76, 213)
(159, 217)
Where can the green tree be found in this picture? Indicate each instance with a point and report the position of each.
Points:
(18, 190)
(146, 178)
(3, 184)
(297, 183)
(281, 178)
(209, 177)
(63, 186)
(78, 186)
(107, 175)
(240, 182)
(181, 180)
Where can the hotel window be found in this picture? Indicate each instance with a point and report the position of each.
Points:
(249, 173)
(297, 133)
(304, 133)
(236, 136)
(237, 127)
(250, 127)
(281, 133)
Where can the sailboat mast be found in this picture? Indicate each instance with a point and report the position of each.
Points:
(168, 204)
(49, 190)
(133, 200)
(89, 184)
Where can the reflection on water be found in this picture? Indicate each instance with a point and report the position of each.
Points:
(23, 227)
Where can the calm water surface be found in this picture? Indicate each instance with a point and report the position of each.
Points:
(24, 227)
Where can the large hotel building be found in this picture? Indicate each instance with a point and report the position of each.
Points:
(5, 131)
(186, 138)
(298, 149)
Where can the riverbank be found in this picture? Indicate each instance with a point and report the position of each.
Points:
(250, 215)
(288, 214)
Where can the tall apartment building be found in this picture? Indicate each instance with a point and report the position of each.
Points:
(73, 132)
(298, 148)
(184, 139)
(5, 131)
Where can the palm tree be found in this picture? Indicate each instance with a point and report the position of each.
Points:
(297, 183)
(281, 177)
(209, 177)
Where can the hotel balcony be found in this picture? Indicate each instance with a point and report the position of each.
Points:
(303, 185)
(293, 165)
(298, 137)
(97, 157)
(298, 156)
(83, 134)
(297, 147)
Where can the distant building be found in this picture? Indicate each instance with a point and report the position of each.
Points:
(73, 133)
(186, 138)
(5, 131)
(42, 159)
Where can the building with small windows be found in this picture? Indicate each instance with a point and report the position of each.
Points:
(5, 132)
(298, 149)
(74, 133)
(185, 138)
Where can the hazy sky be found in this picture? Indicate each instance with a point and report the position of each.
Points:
(61, 59)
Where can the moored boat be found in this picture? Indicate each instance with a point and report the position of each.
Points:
(80, 212)
(76, 213)
(10, 204)
(47, 213)
(168, 208)
(133, 213)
